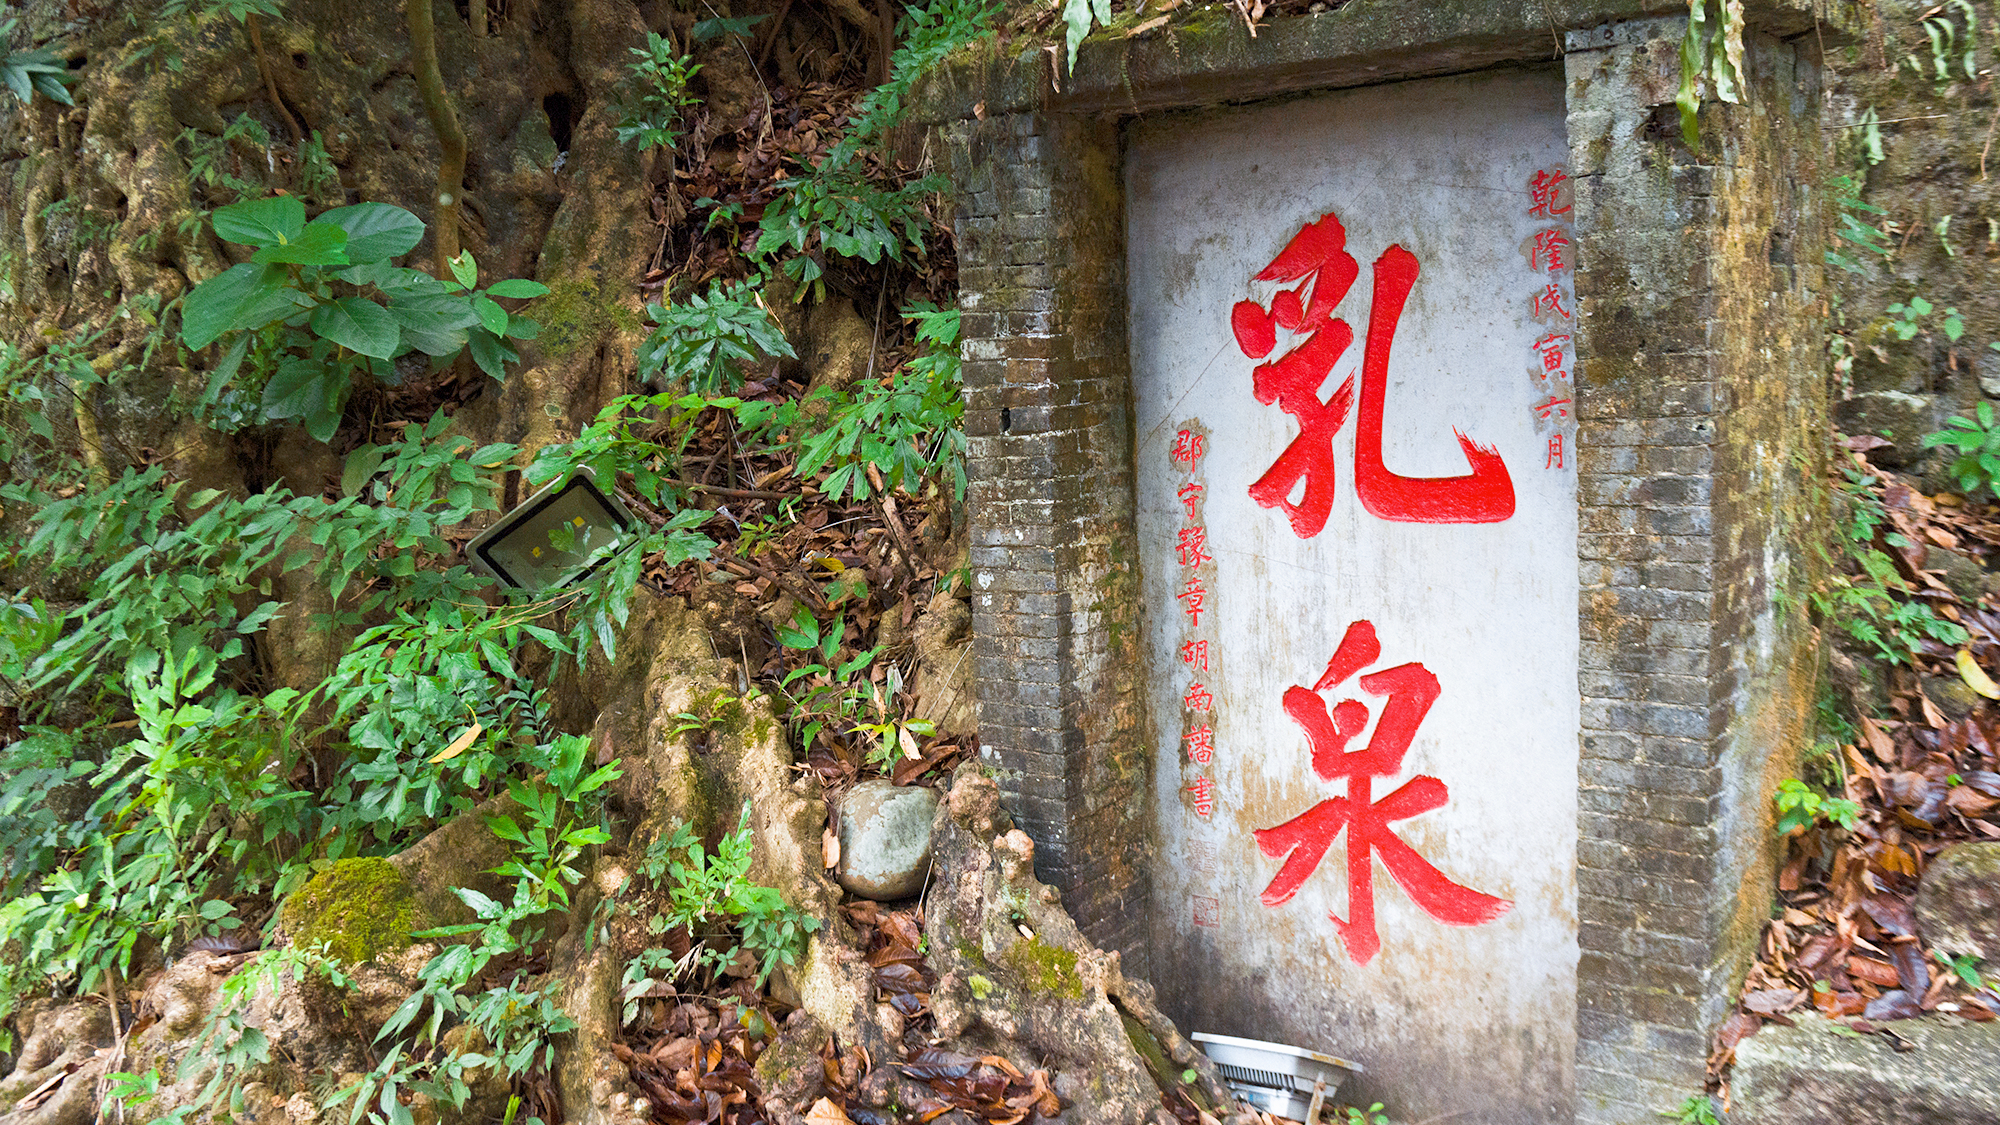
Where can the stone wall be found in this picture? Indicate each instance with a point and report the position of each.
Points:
(1702, 425)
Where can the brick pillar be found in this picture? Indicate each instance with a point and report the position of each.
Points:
(1040, 231)
(1702, 406)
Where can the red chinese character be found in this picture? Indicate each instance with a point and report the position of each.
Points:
(1195, 653)
(1192, 547)
(1204, 796)
(1551, 349)
(1556, 406)
(1550, 300)
(1555, 458)
(1547, 253)
(1190, 495)
(1543, 191)
(1197, 698)
(1304, 840)
(1191, 598)
(1201, 745)
(1317, 258)
(1188, 447)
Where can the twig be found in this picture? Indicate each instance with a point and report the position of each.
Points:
(270, 84)
(444, 122)
(739, 493)
(1989, 143)
(897, 533)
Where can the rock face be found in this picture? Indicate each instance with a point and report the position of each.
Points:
(885, 839)
(1958, 902)
(1809, 1074)
(1902, 418)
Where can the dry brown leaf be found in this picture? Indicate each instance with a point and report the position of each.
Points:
(459, 744)
(825, 1112)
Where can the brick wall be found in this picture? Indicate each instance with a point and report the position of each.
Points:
(1040, 234)
(1702, 413)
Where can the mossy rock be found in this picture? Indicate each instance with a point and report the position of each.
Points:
(1046, 969)
(358, 908)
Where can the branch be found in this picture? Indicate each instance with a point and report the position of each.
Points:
(444, 122)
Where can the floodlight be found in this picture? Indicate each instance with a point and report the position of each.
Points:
(554, 537)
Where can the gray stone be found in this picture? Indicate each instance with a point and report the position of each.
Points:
(1818, 1072)
(1965, 576)
(885, 839)
(1958, 902)
(1951, 694)
(1902, 418)
(1988, 367)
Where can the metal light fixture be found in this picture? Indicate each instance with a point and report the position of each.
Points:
(1275, 1077)
(554, 537)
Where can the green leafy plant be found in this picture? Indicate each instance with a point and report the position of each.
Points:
(1870, 603)
(29, 72)
(1373, 1115)
(905, 426)
(1699, 1109)
(1906, 320)
(1801, 807)
(1954, 47)
(1077, 16)
(658, 94)
(1853, 230)
(1711, 60)
(1977, 443)
(319, 304)
(703, 342)
(1966, 967)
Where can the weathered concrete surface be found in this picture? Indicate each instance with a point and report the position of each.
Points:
(885, 839)
(1440, 168)
(1812, 1075)
(1958, 902)
(1209, 57)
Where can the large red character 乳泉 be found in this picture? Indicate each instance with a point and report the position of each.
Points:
(1317, 259)
(1303, 841)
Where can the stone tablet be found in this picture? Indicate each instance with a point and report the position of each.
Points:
(1352, 327)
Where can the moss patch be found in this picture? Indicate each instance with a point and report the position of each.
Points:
(1046, 969)
(359, 908)
(573, 314)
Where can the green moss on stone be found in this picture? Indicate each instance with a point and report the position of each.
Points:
(1047, 969)
(573, 314)
(358, 908)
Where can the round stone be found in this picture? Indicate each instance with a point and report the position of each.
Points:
(885, 839)
(1958, 901)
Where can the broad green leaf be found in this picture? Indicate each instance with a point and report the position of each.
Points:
(359, 325)
(320, 244)
(433, 333)
(299, 389)
(490, 354)
(491, 315)
(261, 222)
(376, 231)
(244, 296)
(465, 268)
(362, 465)
(517, 287)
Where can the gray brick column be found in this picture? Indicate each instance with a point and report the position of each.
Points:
(1041, 266)
(1702, 410)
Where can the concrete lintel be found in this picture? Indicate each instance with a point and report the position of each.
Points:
(1212, 57)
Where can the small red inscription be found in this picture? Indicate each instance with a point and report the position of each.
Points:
(1193, 546)
(1547, 253)
(1188, 447)
(1558, 407)
(1203, 791)
(1200, 743)
(1195, 653)
(1544, 191)
(1191, 597)
(1555, 457)
(1303, 841)
(1190, 495)
(1197, 698)
(1207, 910)
(1549, 301)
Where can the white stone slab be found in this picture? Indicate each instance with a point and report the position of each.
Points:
(1476, 1020)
